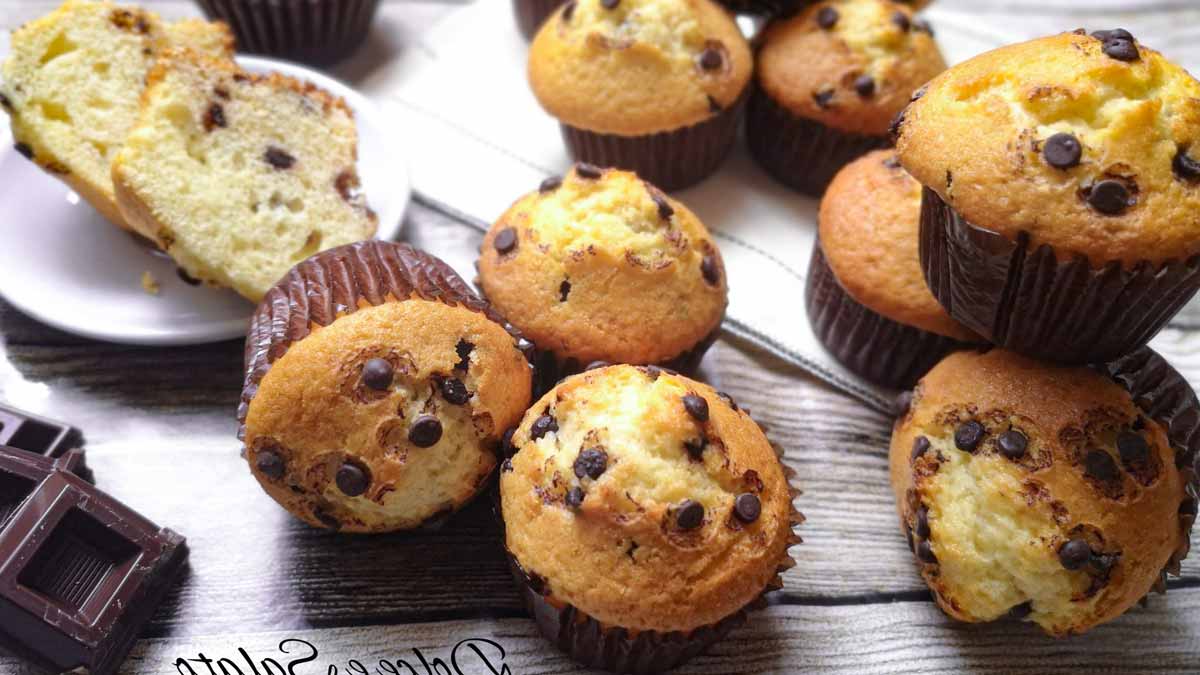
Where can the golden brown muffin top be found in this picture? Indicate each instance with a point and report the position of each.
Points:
(849, 64)
(999, 511)
(1089, 144)
(645, 500)
(600, 265)
(634, 67)
(869, 222)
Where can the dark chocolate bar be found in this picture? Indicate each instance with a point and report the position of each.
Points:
(19, 429)
(80, 572)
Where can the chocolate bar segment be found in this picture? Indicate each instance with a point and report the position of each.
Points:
(19, 429)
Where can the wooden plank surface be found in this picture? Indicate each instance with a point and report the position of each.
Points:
(161, 436)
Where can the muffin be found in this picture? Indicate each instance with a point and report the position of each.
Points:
(602, 266)
(1062, 182)
(377, 390)
(829, 81)
(1059, 495)
(652, 86)
(644, 514)
(72, 81)
(530, 14)
(238, 177)
(319, 32)
(866, 297)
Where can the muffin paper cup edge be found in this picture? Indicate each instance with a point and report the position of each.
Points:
(312, 31)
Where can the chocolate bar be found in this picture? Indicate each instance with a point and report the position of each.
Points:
(41, 436)
(80, 572)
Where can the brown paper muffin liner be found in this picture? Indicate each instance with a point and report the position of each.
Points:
(531, 14)
(671, 160)
(1166, 397)
(799, 152)
(1030, 301)
(319, 32)
(881, 350)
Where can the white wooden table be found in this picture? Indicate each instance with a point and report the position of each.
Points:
(160, 431)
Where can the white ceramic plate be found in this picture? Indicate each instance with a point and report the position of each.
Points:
(64, 264)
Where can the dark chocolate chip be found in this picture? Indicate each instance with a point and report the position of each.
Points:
(186, 278)
(827, 17)
(695, 448)
(1133, 447)
(506, 445)
(214, 117)
(1116, 33)
(923, 26)
(1110, 197)
(1189, 507)
(968, 436)
(865, 86)
(689, 515)
(1062, 151)
(925, 552)
(1012, 444)
(24, 149)
(377, 374)
(710, 58)
(823, 98)
(920, 447)
(4, 102)
(542, 426)
(710, 270)
(597, 364)
(589, 171)
(1074, 554)
(897, 124)
(454, 391)
(922, 528)
(747, 507)
(652, 372)
(696, 406)
(278, 158)
(665, 210)
(463, 349)
(1185, 167)
(506, 465)
(426, 431)
(592, 463)
(902, 403)
(564, 289)
(1022, 610)
(1118, 44)
(550, 184)
(352, 479)
(728, 400)
(902, 21)
(1099, 464)
(269, 464)
(908, 536)
(568, 10)
(575, 497)
(505, 241)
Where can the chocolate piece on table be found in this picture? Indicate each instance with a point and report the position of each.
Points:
(45, 437)
(80, 572)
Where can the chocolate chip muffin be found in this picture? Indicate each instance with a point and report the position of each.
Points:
(1062, 182)
(866, 297)
(644, 514)
(828, 82)
(601, 266)
(378, 387)
(1055, 494)
(652, 86)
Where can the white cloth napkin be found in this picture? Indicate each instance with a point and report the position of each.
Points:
(477, 140)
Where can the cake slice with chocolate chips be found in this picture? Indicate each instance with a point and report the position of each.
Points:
(72, 82)
(237, 176)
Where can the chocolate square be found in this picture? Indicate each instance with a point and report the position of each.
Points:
(19, 429)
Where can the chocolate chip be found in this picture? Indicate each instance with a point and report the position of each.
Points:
(1012, 444)
(542, 426)
(352, 479)
(865, 86)
(463, 349)
(1074, 554)
(923, 26)
(426, 431)
(925, 553)
(589, 171)
(186, 278)
(1189, 507)
(665, 210)
(1185, 167)
(922, 529)
(1132, 447)
(575, 497)
(710, 270)
(506, 465)
(505, 241)
(377, 374)
(897, 124)
(1099, 464)
(564, 289)
(827, 17)
(902, 21)
(710, 58)
(747, 507)
(920, 447)
(609, 4)
(454, 391)
(652, 372)
(594, 365)
(695, 448)
(968, 436)
(1022, 610)
(550, 184)
(689, 515)
(568, 10)
(728, 400)
(1118, 44)
(696, 406)
(214, 117)
(591, 463)
(4, 102)
(1062, 151)
(506, 445)
(24, 149)
(1110, 197)
(269, 464)
(822, 98)
(278, 158)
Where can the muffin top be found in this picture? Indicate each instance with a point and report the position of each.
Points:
(646, 500)
(634, 67)
(600, 265)
(1036, 487)
(869, 221)
(849, 64)
(1088, 143)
